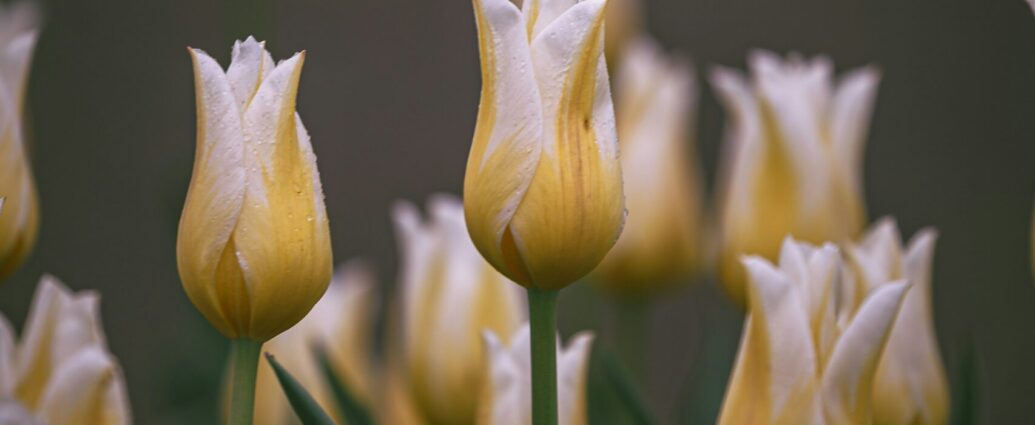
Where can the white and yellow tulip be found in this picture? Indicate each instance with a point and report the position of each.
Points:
(543, 187)
(661, 241)
(342, 323)
(449, 296)
(507, 399)
(804, 359)
(253, 249)
(19, 220)
(910, 387)
(60, 372)
(792, 162)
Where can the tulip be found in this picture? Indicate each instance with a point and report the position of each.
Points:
(804, 358)
(910, 386)
(506, 400)
(660, 243)
(19, 220)
(61, 372)
(341, 323)
(449, 294)
(253, 249)
(792, 160)
(543, 189)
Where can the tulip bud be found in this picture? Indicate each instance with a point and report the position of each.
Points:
(61, 372)
(543, 188)
(507, 400)
(342, 324)
(19, 218)
(253, 249)
(449, 296)
(792, 160)
(910, 386)
(660, 243)
(804, 358)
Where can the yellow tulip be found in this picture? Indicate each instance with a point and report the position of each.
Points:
(543, 188)
(804, 359)
(19, 219)
(910, 387)
(342, 322)
(660, 243)
(792, 160)
(253, 250)
(449, 295)
(507, 400)
(61, 372)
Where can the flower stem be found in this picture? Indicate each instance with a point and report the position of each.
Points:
(542, 312)
(244, 364)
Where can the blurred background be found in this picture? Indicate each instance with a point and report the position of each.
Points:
(389, 95)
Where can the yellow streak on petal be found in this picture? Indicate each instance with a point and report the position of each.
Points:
(573, 210)
(493, 182)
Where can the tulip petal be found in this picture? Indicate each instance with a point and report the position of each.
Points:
(18, 221)
(660, 243)
(249, 66)
(216, 192)
(84, 391)
(539, 14)
(451, 296)
(572, 371)
(850, 117)
(773, 382)
(506, 399)
(507, 137)
(792, 105)
(574, 208)
(282, 236)
(910, 385)
(36, 352)
(848, 380)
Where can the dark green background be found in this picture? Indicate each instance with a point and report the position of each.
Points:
(389, 94)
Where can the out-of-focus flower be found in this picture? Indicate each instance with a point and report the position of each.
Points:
(254, 249)
(803, 358)
(508, 398)
(624, 21)
(61, 372)
(910, 386)
(792, 159)
(19, 220)
(342, 323)
(543, 188)
(449, 295)
(661, 241)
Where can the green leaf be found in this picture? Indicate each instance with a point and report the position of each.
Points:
(305, 407)
(352, 410)
(966, 399)
(613, 399)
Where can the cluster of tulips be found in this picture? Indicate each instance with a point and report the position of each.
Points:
(564, 182)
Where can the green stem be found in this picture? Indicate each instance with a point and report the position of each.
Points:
(542, 312)
(244, 365)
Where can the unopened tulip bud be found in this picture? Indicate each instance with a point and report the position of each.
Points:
(19, 218)
(543, 188)
(793, 160)
(253, 249)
